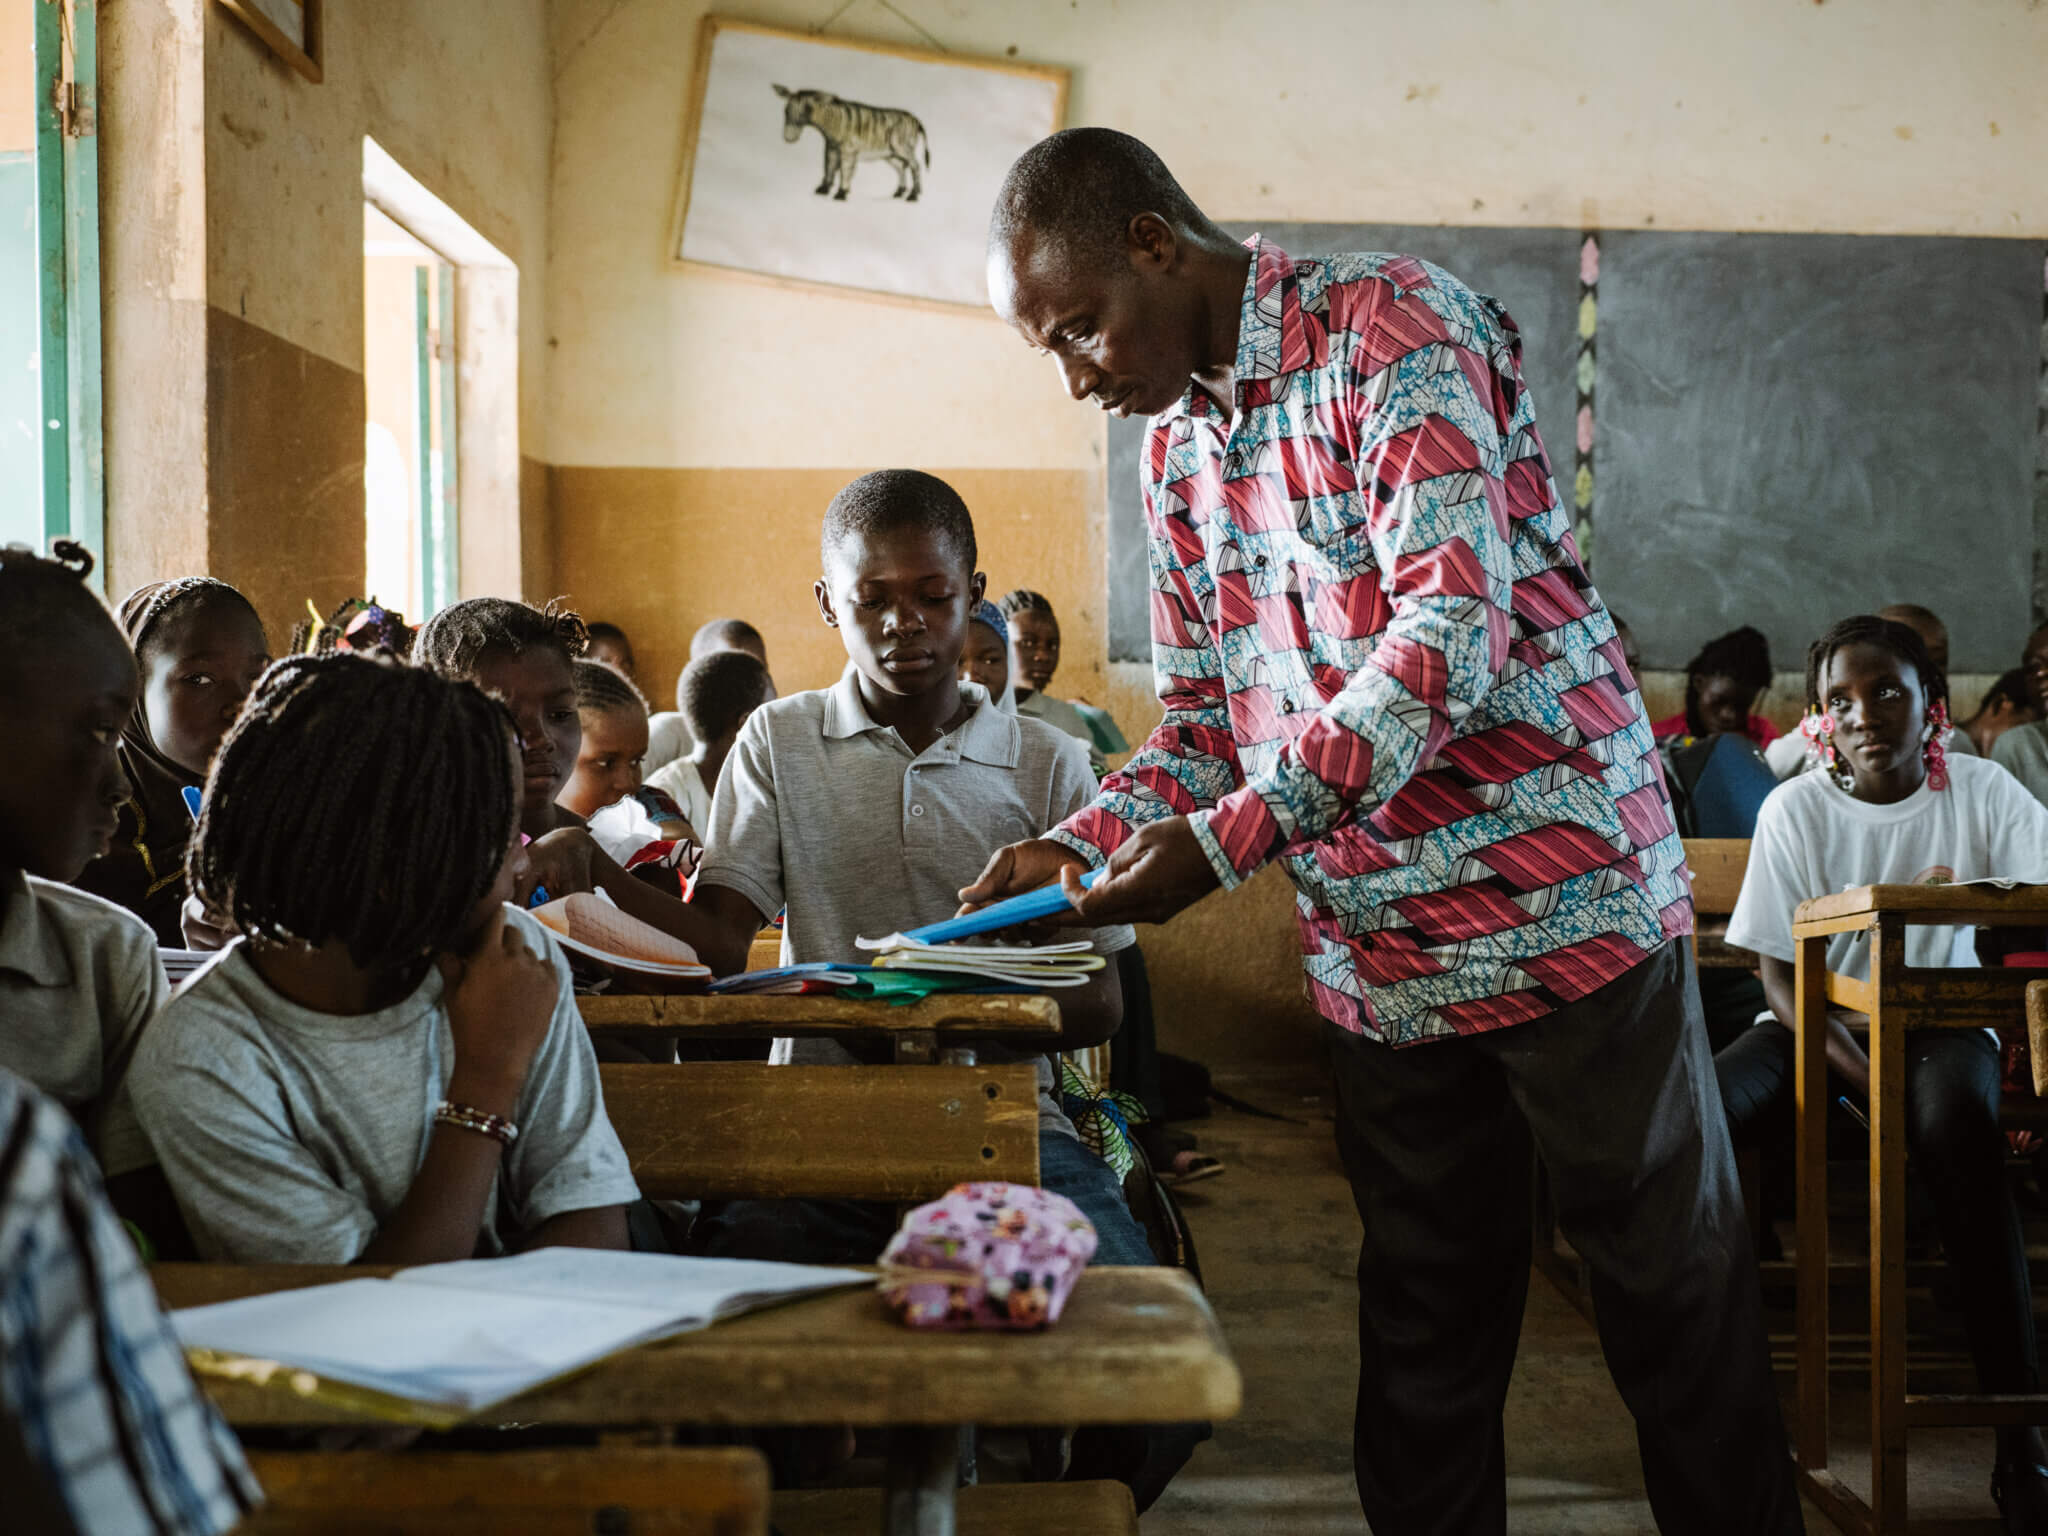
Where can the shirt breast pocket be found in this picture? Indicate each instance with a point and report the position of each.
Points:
(1334, 542)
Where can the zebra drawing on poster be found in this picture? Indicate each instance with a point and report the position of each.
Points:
(852, 129)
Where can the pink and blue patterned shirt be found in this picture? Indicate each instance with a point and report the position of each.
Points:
(1383, 663)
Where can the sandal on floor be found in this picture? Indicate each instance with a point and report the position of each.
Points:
(1189, 1167)
(2020, 1490)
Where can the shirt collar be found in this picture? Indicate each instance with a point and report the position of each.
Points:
(986, 736)
(1270, 338)
(27, 945)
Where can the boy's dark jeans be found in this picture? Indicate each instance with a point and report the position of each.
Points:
(1618, 1090)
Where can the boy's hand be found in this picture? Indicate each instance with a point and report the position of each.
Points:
(501, 999)
(561, 861)
(1025, 867)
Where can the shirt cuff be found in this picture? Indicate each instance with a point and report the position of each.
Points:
(1239, 835)
(1095, 856)
(1212, 849)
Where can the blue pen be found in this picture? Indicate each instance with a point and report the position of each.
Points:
(192, 800)
(1048, 901)
(1843, 1100)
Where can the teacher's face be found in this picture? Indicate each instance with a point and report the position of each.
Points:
(1124, 332)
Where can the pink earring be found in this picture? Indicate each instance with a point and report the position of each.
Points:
(1936, 750)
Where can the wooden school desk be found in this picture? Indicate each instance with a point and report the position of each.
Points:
(1897, 998)
(944, 1028)
(1135, 1346)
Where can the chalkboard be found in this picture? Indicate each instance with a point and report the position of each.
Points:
(1794, 428)
(1790, 428)
(1534, 272)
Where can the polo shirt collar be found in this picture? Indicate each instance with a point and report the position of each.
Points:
(1270, 336)
(987, 736)
(28, 947)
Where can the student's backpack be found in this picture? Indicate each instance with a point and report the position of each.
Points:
(1718, 783)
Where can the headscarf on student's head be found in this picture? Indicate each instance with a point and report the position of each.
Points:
(144, 868)
(986, 612)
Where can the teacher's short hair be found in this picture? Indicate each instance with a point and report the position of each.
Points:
(1082, 187)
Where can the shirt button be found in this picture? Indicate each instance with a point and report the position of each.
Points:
(917, 810)
(1287, 706)
(1260, 562)
(1365, 941)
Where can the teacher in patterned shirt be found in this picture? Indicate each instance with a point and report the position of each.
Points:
(1383, 665)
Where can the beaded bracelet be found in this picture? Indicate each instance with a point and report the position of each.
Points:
(465, 1117)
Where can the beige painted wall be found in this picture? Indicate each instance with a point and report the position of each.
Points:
(234, 187)
(17, 75)
(1753, 114)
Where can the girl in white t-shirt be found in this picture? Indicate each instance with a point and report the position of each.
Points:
(1890, 807)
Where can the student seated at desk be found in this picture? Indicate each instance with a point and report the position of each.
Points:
(524, 657)
(1890, 807)
(668, 733)
(388, 1066)
(79, 977)
(717, 692)
(658, 844)
(866, 807)
(1722, 686)
(201, 648)
(102, 1430)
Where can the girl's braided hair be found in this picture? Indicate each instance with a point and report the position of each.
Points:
(37, 595)
(145, 609)
(1869, 629)
(452, 640)
(359, 800)
(602, 688)
(1024, 600)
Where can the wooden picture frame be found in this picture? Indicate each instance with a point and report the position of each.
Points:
(745, 204)
(289, 28)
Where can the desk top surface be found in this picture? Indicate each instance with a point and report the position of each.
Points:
(1134, 1346)
(1971, 903)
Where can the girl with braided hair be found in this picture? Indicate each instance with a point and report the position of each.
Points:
(79, 977)
(524, 657)
(1722, 686)
(388, 1065)
(1891, 806)
(201, 648)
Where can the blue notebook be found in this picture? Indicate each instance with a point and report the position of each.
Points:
(1047, 901)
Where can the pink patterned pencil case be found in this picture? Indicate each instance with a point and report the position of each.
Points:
(1002, 1256)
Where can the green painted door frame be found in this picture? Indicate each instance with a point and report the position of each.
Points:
(68, 269)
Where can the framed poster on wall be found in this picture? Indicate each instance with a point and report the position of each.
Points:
(819, 160)
(291, 28)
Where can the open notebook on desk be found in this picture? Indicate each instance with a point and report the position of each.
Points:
(460, 1337)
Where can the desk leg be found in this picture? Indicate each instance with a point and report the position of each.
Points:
(1887, 1233)
(922, 1476)
(1810, 1096)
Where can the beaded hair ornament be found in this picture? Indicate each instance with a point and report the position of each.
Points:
(1819, 730)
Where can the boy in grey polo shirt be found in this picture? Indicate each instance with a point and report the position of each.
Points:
(864, 808)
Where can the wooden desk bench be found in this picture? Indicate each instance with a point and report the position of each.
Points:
(711, 1492)
(743, 1130)
(1135, 1346)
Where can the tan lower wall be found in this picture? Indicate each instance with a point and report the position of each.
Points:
(536, 532)
(284, 435)
(659, 551)
(1226, 978)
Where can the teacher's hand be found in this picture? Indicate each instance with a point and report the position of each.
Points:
(1156, 873)
(1024, 867)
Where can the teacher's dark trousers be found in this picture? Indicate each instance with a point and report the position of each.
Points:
(1618, 1090)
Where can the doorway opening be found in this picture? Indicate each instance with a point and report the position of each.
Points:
(441, 391)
